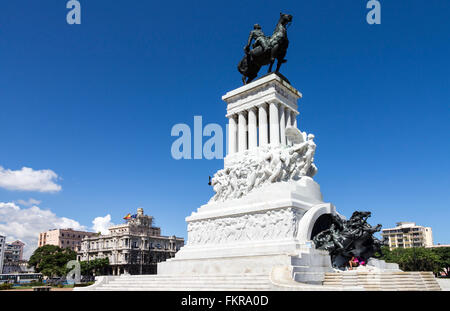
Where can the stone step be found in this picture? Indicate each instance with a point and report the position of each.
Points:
(193, 286)
(189, 275)
(193, 283)
(181, 289)
(187, 282)
(206, 279)
(162, 285)
(383, 281)
(192, 278)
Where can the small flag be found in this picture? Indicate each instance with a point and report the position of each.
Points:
(134, 216)
(127, 217)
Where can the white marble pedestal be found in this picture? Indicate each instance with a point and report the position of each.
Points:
(271, 226)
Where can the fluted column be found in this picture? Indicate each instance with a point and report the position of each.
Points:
(288, 117)
(288, 121)
(294, 118)
(232, 135)
(282, 125)
(263, 127)
(287, 113)
(242, 131)
(252, 129)
(274, 124)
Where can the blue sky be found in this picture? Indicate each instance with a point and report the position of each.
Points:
(95, 103)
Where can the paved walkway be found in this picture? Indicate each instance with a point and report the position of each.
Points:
(30, 290)
(444, 284)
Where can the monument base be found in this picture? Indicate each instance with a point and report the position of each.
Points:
(308, 266)
(271, 226)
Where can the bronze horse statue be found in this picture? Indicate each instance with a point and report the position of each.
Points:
(265, 49)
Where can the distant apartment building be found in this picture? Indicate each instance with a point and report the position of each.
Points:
(2, 251)
(13, 258)
(14, 251)
(64, 238)
(407, 235)
(132, 248)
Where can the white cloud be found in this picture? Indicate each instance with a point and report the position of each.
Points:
(25, 224)
(101, 224)
(28, 179)
(30, 202)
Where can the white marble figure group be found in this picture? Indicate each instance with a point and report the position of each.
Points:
(269, 165)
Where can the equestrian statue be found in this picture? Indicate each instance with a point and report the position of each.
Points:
(347, 238)
(265, 49)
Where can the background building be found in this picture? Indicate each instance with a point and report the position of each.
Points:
(21, 266)
(64, 238)
(2, 251)
(408, 234)
(13, 258)
(14, 251)
(134, 247)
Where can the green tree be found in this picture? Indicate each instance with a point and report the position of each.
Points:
(444, 258)
(97, 266)
(413, 259)
(51, 260)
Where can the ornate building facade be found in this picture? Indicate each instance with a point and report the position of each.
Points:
(132, 248)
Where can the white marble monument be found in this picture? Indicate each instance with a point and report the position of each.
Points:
(266, 205)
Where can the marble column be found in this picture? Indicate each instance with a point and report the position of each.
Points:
(242, 132)
(232, 135)
(294, 118)
(252, 129)
(263, 128)
(287, 113)
(274, 124)
(288, 117)
(282, 125)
